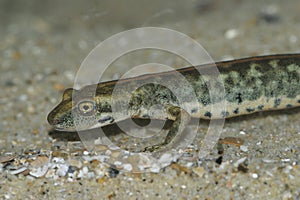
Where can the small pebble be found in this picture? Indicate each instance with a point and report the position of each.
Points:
(115, 154)
(267, 160)
(270, 14)
(199, 171)
(62, 170)
(71, 171)
(90, 175)
(231, 34)
(58, 160)
(23, 97)
(240, 161)
(50, 173)
(244, 148)
(254, 175)
(286, 160)
(85, 170)
(155, 168)
(127, 167)
(69, 75)
(189, 164)
(75, 163)
(117, 163)
(35, 131)
(113, 172)
(166, 159)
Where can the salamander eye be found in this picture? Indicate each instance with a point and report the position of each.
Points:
(86, 107)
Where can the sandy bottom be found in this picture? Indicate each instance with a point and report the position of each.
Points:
(43, 45)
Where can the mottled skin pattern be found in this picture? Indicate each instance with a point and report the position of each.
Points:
(251, 85)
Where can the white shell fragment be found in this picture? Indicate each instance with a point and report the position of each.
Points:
(18, 171)
(39, 172)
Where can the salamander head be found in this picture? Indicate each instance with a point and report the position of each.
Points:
(81, 110)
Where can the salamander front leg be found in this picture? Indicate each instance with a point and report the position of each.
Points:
(181, 118)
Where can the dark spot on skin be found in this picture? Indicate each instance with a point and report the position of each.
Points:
(106, 118)
(298, 100)
(104, 107)
(207, 114)
(239, 98)
(236, 111)
(288, 106)
(260, 107)
(194, 110)
(225, 113)
(250, 109)
(277, 103)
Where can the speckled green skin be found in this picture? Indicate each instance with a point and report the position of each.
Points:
(251, 85)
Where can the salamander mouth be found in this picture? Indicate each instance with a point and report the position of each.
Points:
(56, 123)
(59, 128)
(52, 118)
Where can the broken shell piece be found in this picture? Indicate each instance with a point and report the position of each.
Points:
(4, 159)
(39, 161)
(18, 171)
(75, 163)
(39, 172)
(39, 166)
